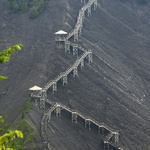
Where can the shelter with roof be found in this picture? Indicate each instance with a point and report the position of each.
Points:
(60, 36)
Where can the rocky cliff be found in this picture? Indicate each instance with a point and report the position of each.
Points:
(114, 89)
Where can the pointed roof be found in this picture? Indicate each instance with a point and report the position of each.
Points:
(35, 88)
(61, 32)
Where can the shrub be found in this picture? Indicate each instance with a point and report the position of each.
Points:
(33, 12)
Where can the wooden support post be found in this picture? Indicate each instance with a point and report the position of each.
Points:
(54, 87)
(64, 80)
(102, 130)
(58, 111)
(43, 97)
(116, 137)
(90, 59)
(67, 46)
(88, 122)
(106, 145)
(75, 49)
(42, 103)
(89, 10)
(75, 71)
(74, 117)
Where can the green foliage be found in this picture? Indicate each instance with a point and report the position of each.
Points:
(28, 129)
(23, 7)
(7, 139)
(34, 7)
(1, 119)
(21, 123)
(7, 4)
(3, 77)
(34, 12)
(26, 109)
(15, 7)
(7, 53)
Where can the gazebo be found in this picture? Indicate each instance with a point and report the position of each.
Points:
(60, 36)
(35, 90)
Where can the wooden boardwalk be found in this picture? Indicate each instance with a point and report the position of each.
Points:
(112, 138)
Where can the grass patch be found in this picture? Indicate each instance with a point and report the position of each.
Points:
(28, 129)
(26, 109)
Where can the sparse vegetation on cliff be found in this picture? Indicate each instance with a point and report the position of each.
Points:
(34, 7)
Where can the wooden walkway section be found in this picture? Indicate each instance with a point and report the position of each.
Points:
(112, 138)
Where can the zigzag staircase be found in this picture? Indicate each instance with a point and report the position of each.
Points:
(112, 138)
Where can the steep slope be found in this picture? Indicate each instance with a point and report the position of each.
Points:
(113, 90)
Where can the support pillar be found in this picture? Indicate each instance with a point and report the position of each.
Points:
(74, 117)
(75, 49)
(90, 59)
(100, 130)
(89, 11)
(88, 122)
(43, 97)
(82, 63)
(58, 111)
(106, 145)
(75, 71)
(54, 87)
(64, 80)
(67, 46)
(116, 137)
(42, 103)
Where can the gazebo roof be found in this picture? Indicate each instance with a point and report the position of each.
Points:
(61, 32)
(35, 88)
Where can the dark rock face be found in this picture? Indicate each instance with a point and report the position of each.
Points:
(113, 90)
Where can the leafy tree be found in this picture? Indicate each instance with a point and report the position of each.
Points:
(34, 12)
(23, 7)
(7, 53)
(15, 6)
(7, 139)
(34, 7)
(7, 4)
(41, 8)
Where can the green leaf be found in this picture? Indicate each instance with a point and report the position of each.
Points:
(19, 133)
(3, 77)
(1, 119)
